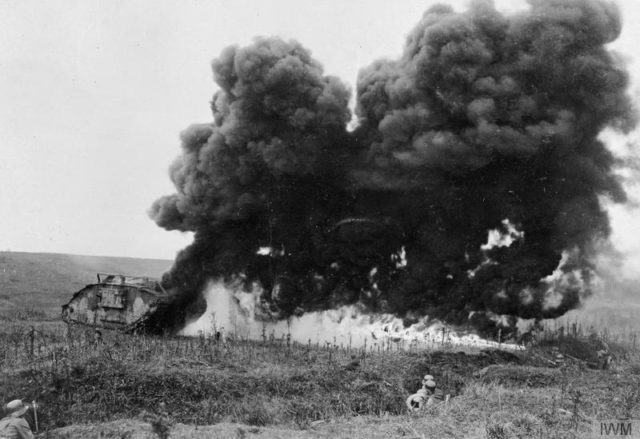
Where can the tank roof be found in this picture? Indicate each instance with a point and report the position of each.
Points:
(120, 279)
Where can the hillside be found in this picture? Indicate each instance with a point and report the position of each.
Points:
(45, 281)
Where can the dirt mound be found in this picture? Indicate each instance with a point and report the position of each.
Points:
(454, 369)
(136, 429)
(584, 351)
(465, 364)
(500, 356)
(126, 428)
(520, 375)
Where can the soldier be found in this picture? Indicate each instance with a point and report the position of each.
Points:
(416, 401)
(528, 338)
(558, 358)
(97, 337)
(604, 359)
(429, 384)
(13, 425)
(426, 395)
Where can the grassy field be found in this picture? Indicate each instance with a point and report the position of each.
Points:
(41, 283)
(171, 387)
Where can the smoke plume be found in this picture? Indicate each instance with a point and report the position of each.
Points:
(469, 190)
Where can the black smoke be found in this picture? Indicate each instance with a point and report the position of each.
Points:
(484, 118)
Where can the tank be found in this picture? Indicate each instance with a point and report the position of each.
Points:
(119, 302)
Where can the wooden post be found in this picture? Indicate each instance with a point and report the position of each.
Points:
(35, 414)
(32, 336)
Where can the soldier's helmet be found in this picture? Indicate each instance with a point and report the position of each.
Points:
(16, 408)
(429, 382)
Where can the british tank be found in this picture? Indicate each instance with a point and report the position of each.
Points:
(119, 302)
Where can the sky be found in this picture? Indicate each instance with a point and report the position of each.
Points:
(94, 94)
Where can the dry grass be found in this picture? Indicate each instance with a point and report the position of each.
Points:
(324, 390)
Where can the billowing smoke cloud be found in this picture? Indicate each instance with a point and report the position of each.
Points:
(469, 189)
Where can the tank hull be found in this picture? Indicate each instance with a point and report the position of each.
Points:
(121, 303)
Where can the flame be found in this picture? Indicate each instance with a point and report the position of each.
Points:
(499, 238)
(233, 310)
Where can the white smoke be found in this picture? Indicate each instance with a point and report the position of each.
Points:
(615, 302)
(561, 279)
